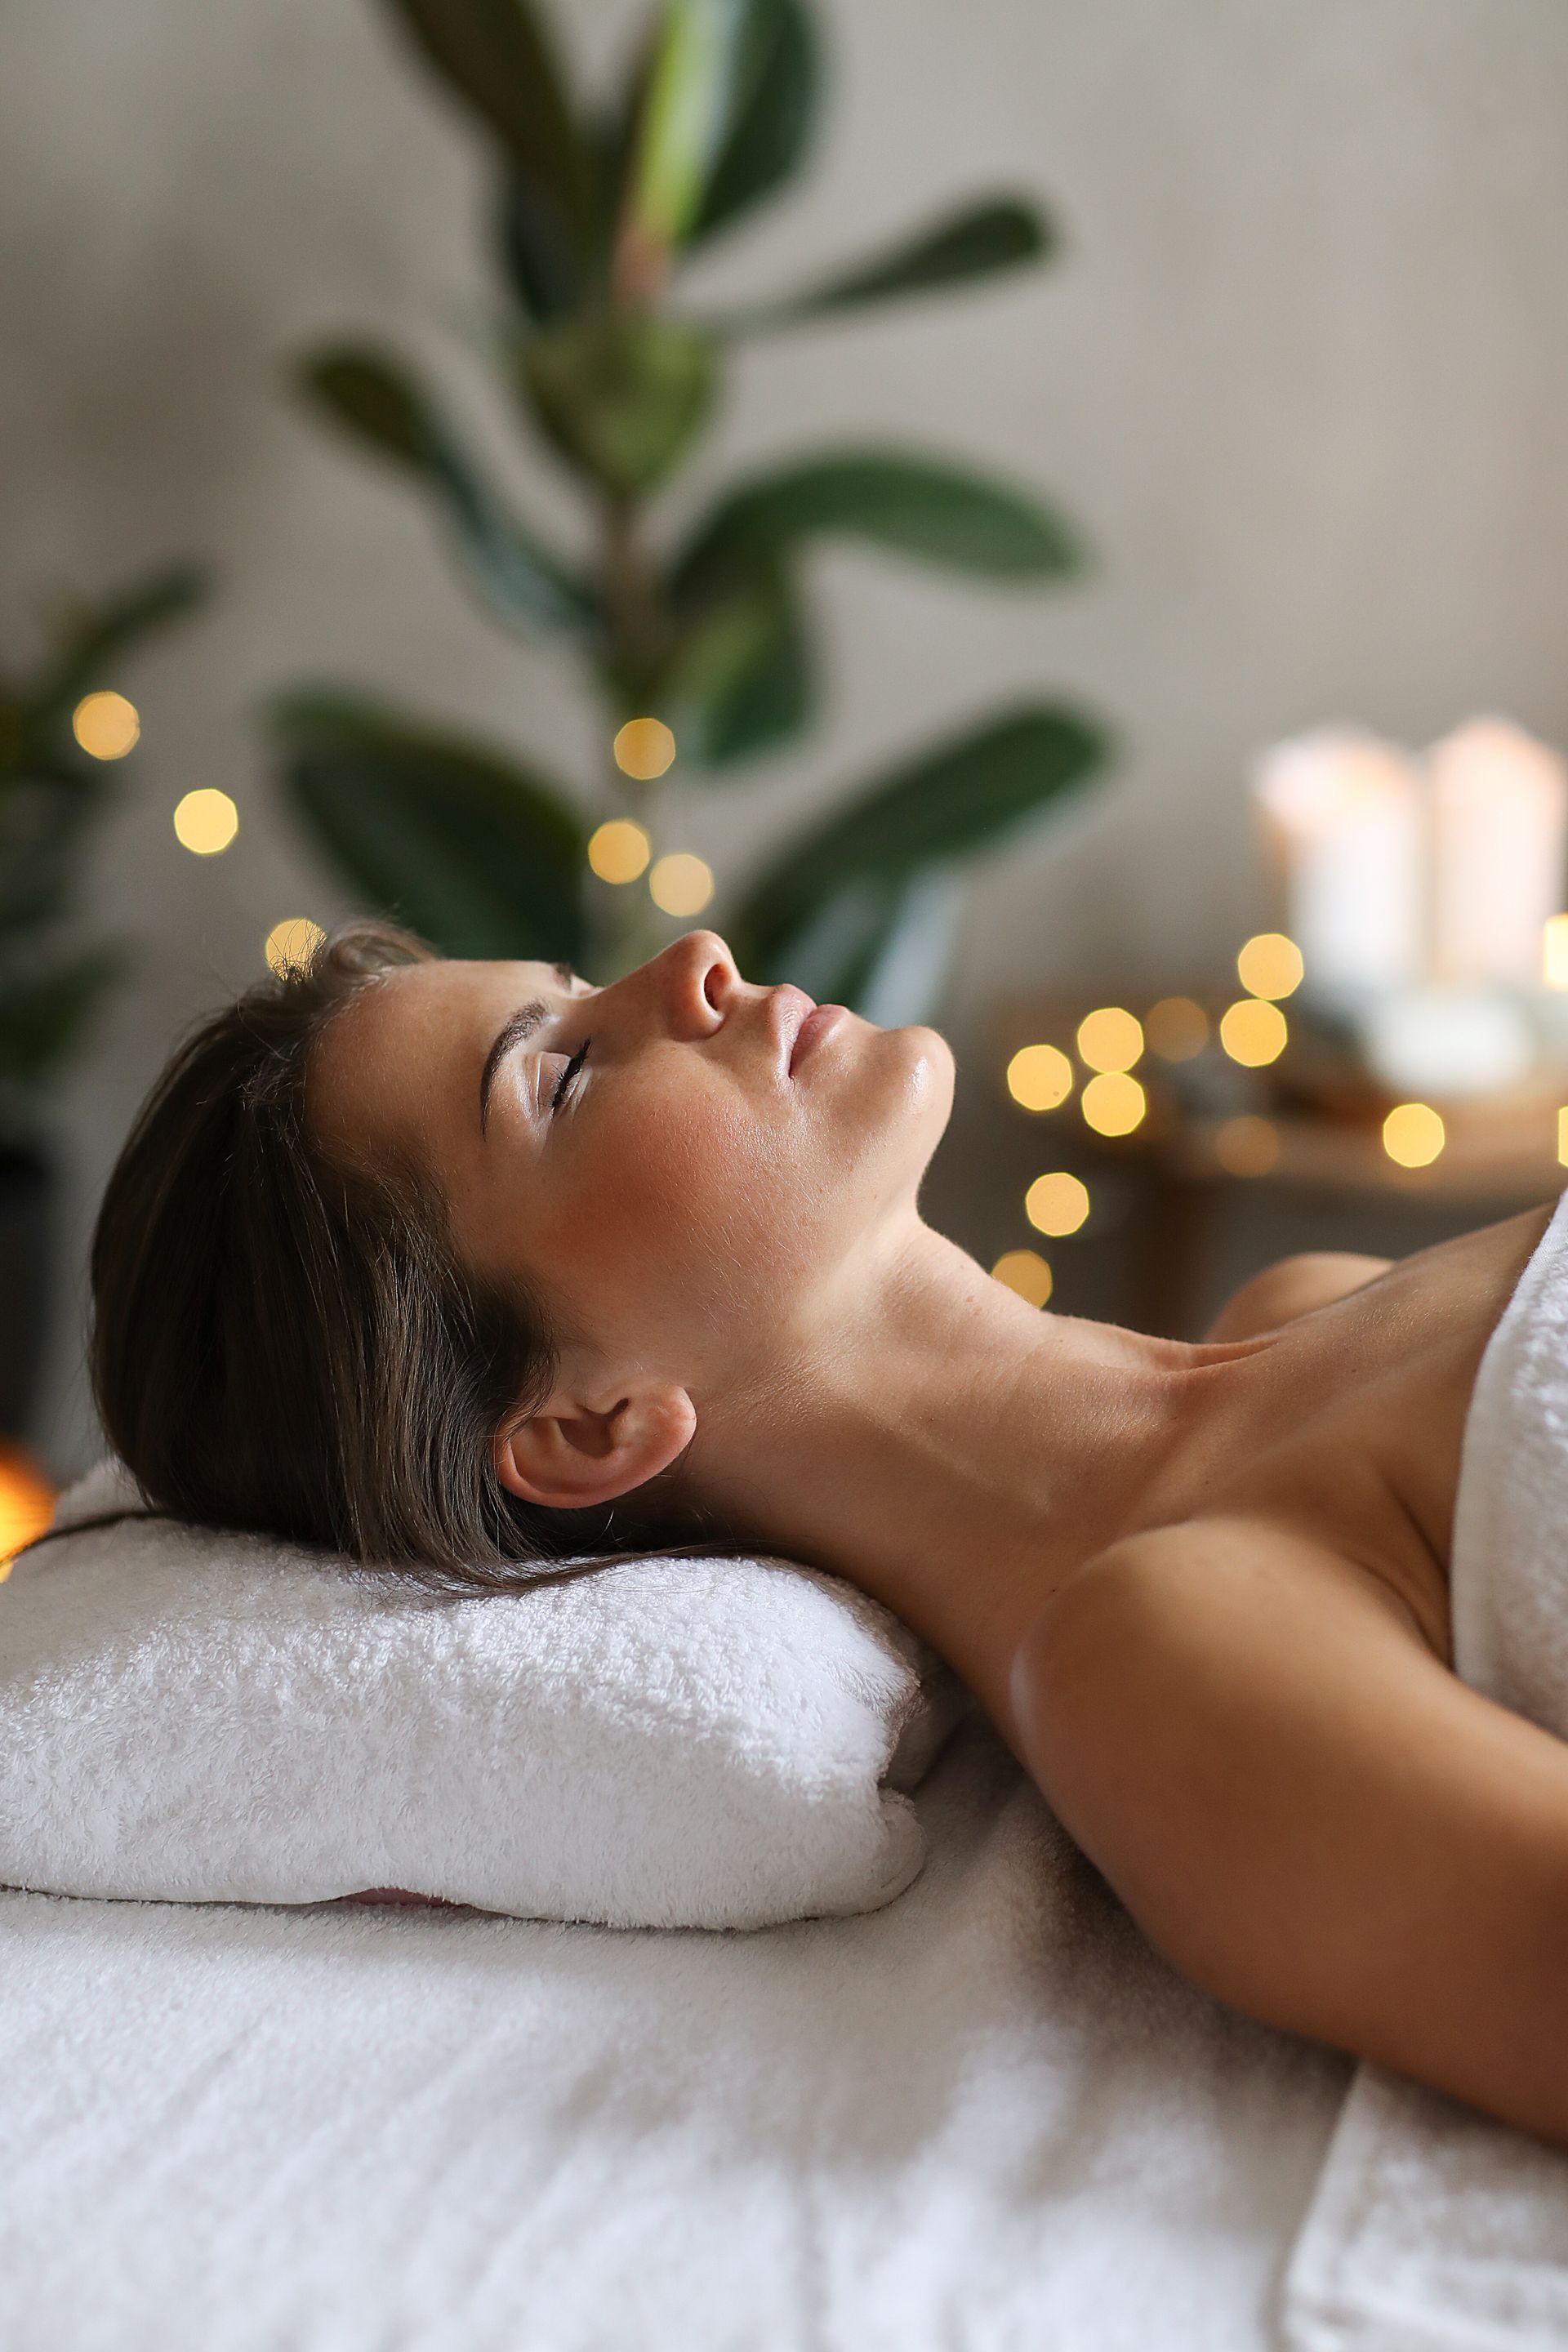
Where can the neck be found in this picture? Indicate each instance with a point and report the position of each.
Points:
(953, 1452)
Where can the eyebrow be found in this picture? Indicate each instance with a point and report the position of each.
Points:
(517, 1027)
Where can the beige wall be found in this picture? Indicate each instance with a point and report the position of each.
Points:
(1302, 375)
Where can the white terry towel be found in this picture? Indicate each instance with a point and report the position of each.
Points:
(1433, 2226)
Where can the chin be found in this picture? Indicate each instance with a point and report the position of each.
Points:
(928, 1076)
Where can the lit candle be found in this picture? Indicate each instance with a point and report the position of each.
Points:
(1343, 815)
(1499, 824)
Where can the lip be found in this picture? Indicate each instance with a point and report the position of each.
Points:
(812, 1031)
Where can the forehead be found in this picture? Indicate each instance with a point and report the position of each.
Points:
(402, 1060)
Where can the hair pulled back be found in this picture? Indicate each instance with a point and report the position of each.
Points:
(292, 1348)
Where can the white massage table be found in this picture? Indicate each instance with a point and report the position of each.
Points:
(987, 2119)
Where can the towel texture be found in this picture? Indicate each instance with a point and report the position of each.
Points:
(200, 1716)
(1433, 2226)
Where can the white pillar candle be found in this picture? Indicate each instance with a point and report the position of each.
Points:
(1500, 823)
(1343, 815)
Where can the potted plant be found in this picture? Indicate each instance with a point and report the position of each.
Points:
(697, 637)
(62, 732)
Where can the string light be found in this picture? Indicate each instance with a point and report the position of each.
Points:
(681, 883)
(1247, 1146)
(106, 726)
(1039, 1077)
(619, 850)
(1057, 1204)
(1025, 1271)
(205, 822)
(1554, 951)
(1178, 1028)
(291, 944)
(1414, 1134)
(1271, 965)
(1110, 1039)
(27, 1506)
(643, 748)
(1114, 1104)
(1253, 1031)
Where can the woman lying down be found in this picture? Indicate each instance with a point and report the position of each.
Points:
(461, 1265)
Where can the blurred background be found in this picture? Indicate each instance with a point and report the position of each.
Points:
(1272, 403)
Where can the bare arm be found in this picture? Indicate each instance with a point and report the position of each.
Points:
(1293, 1287)
(1306, 1812)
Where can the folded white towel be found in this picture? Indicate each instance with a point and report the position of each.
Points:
(1432, 2225)
(202, 1716)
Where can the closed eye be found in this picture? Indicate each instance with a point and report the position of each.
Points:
(569, 1075)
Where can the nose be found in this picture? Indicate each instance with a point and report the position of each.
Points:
(696, 979)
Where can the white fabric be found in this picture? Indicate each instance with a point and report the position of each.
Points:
(1434, 2227)
(716, 1743)
(987, 2118)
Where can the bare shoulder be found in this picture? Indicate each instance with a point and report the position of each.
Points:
(1306, 1810)
(1292, 1286)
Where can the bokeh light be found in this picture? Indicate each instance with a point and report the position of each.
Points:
(618, 851)
(1562, 1138)
(291, 943)
(1554, 951)
(1178, 1028)
(1110, 1039)
(1039, 1077)
(1025, 1271)
(681, 883)
(644, 748)
(1057, 1204)
(1114, 1104)
(26, 1504)
(1271, 965)
(1414, 1134)
(1247, 1146)
(205, 822)
(1253, 1031)
(106, 726)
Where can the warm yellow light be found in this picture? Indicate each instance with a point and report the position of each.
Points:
(106, 726)
(1057, 1204)
(1039, 1077)
(1253, 1033)
(619, 850)
(1176, 1028)
(1110, 1039)
(1413, 1134)
(1271, 965)
(1562, 1138)
(1025, 1271)
(1554, 951)
(681, 883)
(291, 943)
(1247, 1146)
(27, 1506)
(644, 748)
(1114, 1104)
(206, 822)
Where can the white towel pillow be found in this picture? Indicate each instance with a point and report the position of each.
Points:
(197, 1716)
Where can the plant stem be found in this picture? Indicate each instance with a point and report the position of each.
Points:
(624, 919)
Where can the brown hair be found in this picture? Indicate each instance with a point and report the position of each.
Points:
(292, 1348)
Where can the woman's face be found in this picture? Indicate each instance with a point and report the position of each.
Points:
(679, 1167)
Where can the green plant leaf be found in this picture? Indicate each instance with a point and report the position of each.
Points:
(947, 804)
(880, 947)
(741, 681)
(371, 397)
(96, 636)
(920, 506)
(621, 397)
(496, 57)
(46, 1011)
(478, 854)
(45, 815)
(772, 99)
(1002, 232)
(545, 269)
(683, 117)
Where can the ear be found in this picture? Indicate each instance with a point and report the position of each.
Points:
(570, 1454)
